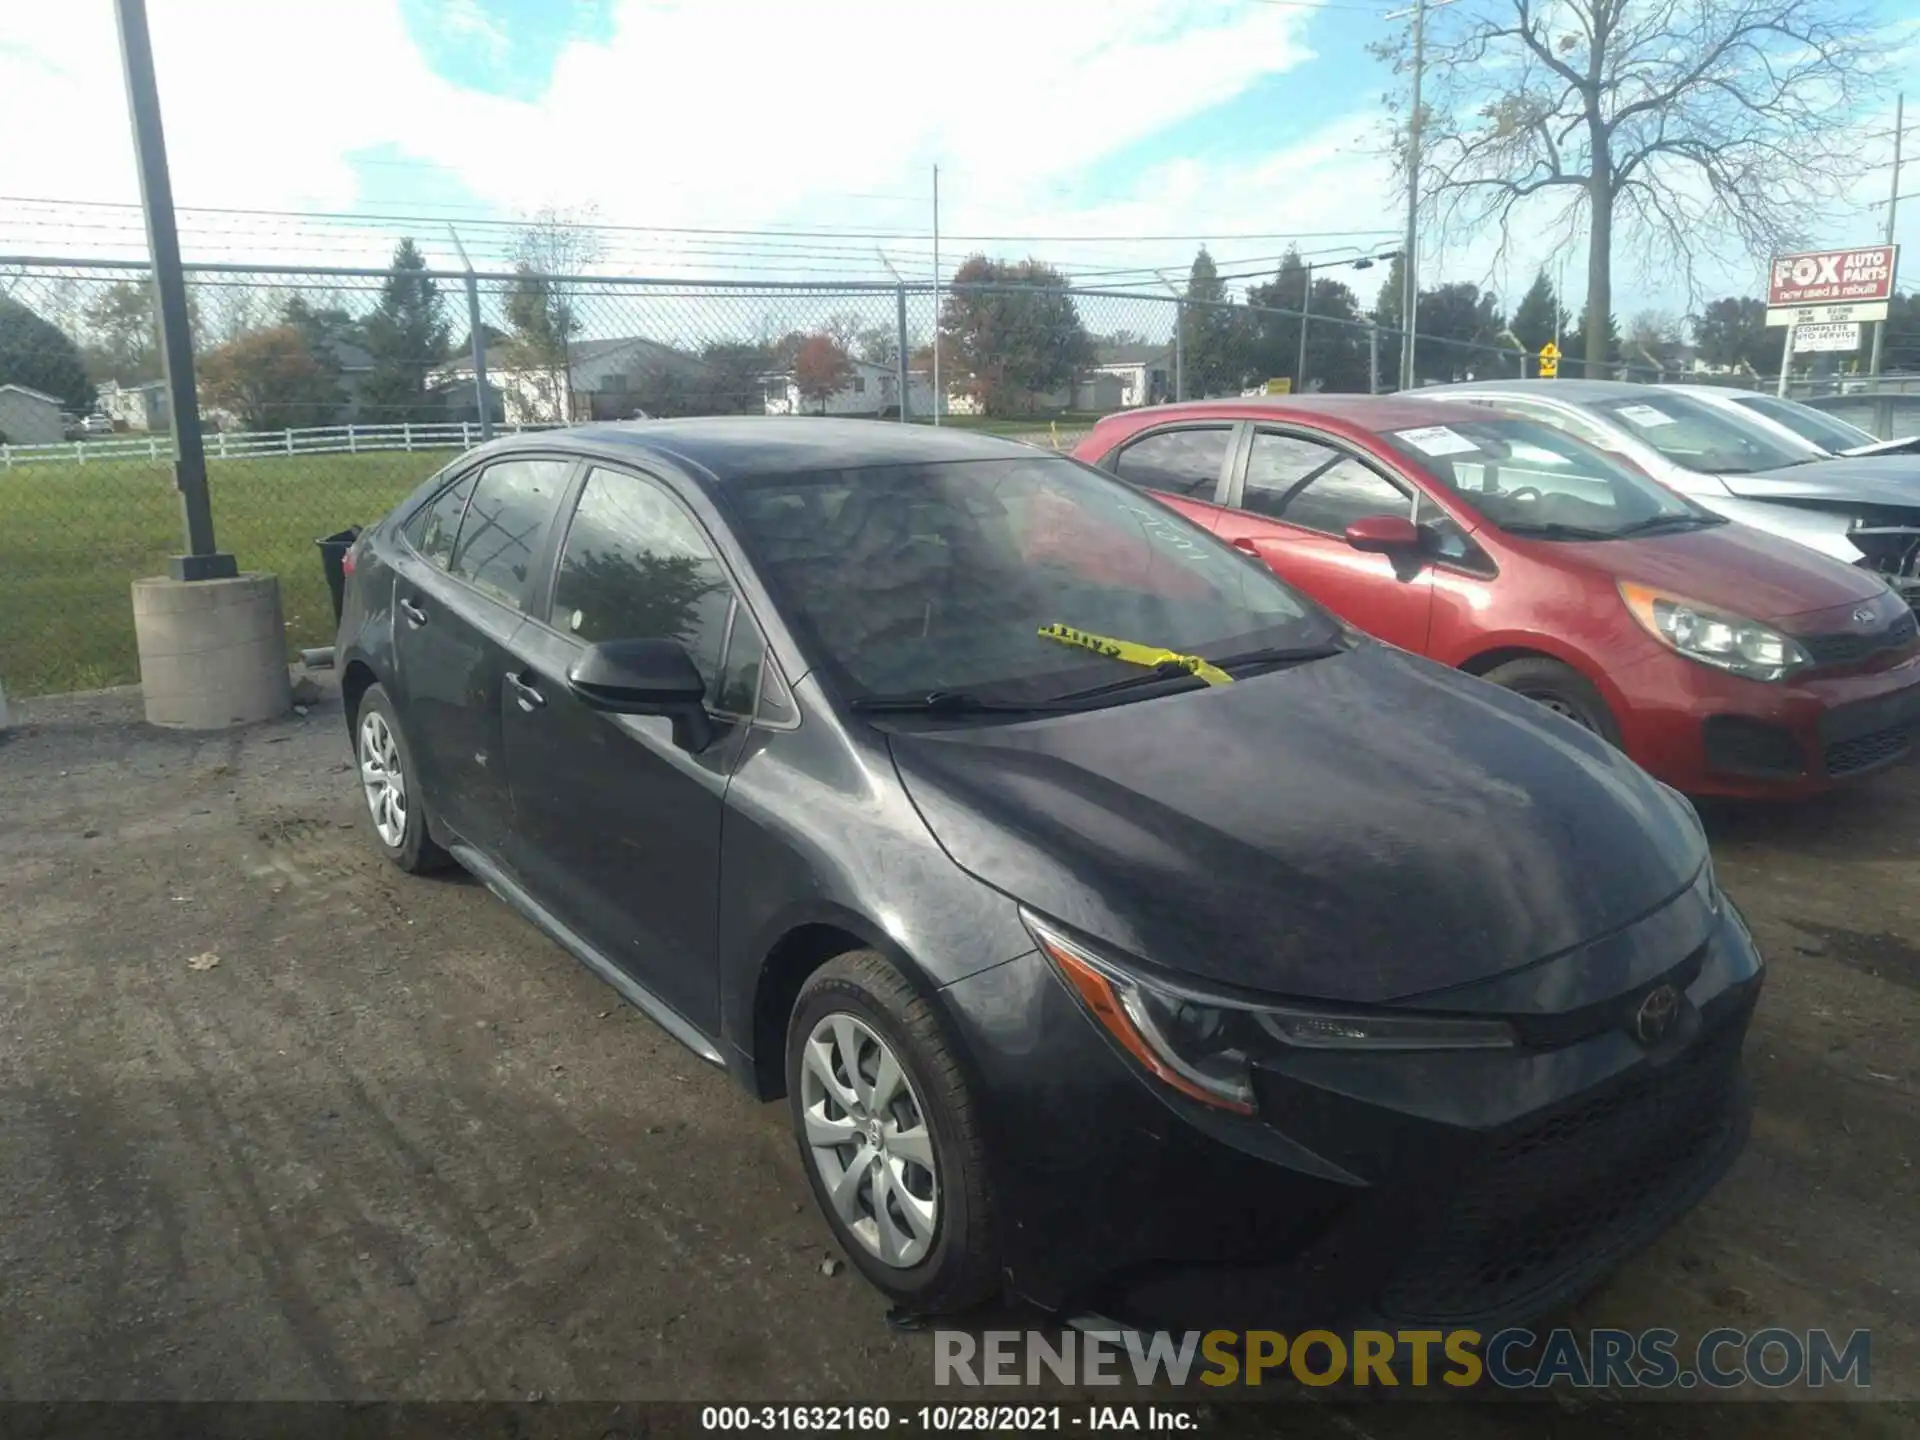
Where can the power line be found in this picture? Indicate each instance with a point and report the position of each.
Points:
(763, 232)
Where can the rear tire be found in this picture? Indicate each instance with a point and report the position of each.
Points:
(390, 787)
(858, 1029)
(1561, 689)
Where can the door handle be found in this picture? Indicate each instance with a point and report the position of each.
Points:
(526, 692)
(416, 616)
(1246, 545)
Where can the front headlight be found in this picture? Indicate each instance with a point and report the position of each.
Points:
(1714, 637)
(1203, 1045)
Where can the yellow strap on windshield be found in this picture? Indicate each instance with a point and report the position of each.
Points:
(1145, 656)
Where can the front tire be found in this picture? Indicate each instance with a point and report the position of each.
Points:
(1561, 689)
(889, 1136)
(395, 809)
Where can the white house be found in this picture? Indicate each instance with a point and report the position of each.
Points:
(601, 380)
(137, 407)
(1124, 377)
(870, 389)
(28, 417)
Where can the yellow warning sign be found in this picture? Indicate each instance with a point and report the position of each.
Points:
(1549, 361)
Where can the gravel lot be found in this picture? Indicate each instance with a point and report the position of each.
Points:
(392, 1143)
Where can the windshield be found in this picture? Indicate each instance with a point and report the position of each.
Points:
(1699, 435)
(916, 579)
(1526, 477)
(1814, 426)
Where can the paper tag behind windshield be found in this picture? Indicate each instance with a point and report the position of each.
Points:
(1438, 440)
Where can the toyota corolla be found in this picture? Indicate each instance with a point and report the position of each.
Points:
(1121, 929)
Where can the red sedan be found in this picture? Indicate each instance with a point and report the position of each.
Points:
(1724, 660)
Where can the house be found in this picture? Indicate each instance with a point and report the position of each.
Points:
(1121, 377)
(962, 399)
(870, 389)
(28, 417)
(1124, 377)
(351, 366)
(144, 406)
(612, 379)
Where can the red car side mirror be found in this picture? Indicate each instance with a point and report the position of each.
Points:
(1383, 534)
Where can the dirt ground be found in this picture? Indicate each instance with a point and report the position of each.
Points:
(279, 1122)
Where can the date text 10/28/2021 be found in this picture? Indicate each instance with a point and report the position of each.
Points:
(940, 1419)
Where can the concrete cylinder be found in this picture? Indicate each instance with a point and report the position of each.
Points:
(213, 653)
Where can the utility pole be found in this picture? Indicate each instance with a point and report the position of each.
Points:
(939, 397)
(901, 374)
(1893, 206)
(478, 337)
(1410, 293)
(1306, 314)
(1179, 337)
(203, 559)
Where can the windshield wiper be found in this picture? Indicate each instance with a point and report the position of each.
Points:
(1130, 652)
(1554, 530)
(1657, 523)
(945, 702)
(1173, 670)
(1281, 655)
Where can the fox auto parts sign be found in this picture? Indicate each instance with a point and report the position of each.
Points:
(1832, 277)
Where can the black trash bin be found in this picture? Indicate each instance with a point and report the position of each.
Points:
(333, 557)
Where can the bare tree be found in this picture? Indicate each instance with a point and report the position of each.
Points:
(1686, 128)
(551, 250)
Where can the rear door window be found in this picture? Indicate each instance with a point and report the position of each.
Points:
(1187, 461)
(432, 528)
(506, 521)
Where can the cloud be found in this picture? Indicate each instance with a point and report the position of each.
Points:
(692, 112)
(715, 113)
(463, 21)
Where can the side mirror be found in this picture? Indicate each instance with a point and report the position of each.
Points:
(1383, 534)
(645, 677)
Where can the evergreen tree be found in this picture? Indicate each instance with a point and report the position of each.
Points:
(1540, 315)
(1213, 334)
(407, 336)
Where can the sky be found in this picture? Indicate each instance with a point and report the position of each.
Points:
(1063, 129)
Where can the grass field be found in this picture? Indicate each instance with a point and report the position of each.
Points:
(74, 537)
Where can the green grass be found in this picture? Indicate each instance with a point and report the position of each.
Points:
(74, 537)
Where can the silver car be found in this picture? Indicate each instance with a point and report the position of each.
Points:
(1865, 511)
(1825, 434)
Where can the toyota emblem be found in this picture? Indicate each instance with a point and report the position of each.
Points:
(1656, 1014)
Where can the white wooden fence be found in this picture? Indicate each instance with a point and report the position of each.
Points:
(252, 444)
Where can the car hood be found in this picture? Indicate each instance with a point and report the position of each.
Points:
(1867, 480)
(1735, 567)
(1905, 445)
(1363, 828)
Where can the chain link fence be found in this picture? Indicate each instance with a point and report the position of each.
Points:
(327, 395)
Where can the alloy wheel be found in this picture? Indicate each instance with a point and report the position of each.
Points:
(868, 1139)
(384, 779)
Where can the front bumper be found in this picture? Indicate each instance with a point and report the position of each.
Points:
(1472, 1188)
(1709, 733)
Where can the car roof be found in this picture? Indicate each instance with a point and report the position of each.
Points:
(738, 446)
(1574, 390)
(1730, 392)
(1363, 412)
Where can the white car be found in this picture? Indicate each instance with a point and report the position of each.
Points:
(96, 425)
(1863, 510)
(1824, 433)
